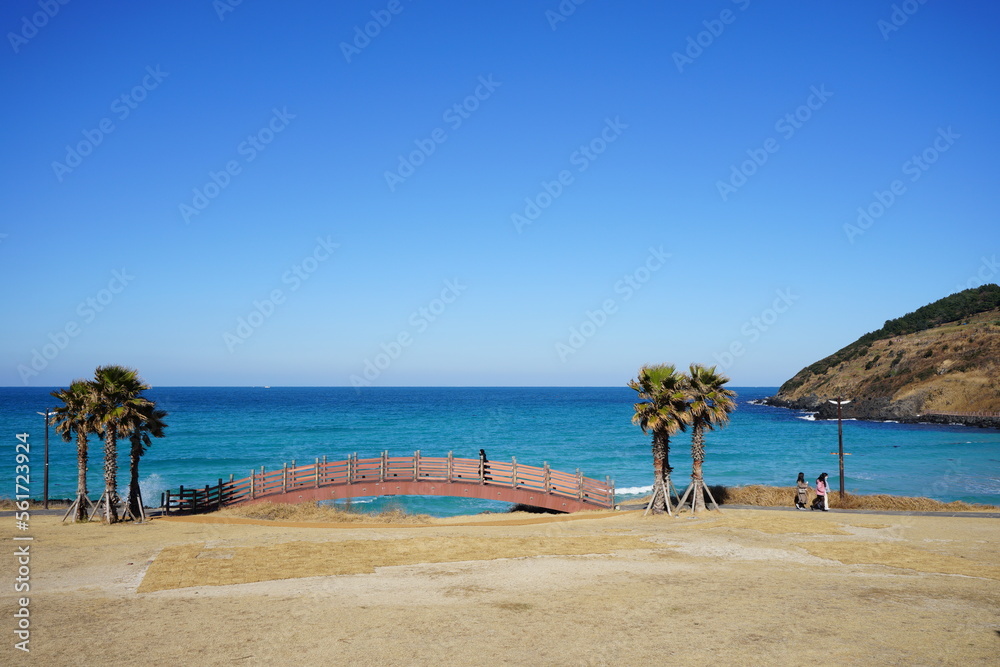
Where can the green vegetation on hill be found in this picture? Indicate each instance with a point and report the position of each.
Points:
(952, 308)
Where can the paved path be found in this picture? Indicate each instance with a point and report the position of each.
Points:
(974, 515)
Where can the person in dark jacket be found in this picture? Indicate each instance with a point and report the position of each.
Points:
(484, 464)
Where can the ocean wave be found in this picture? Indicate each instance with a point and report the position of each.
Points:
(633, 490)
(150, 489)
(811, 417)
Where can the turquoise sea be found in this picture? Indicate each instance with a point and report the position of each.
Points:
(215, 431)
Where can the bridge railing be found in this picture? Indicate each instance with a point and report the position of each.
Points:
(385, 468)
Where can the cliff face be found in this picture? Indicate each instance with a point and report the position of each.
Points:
(951, 367)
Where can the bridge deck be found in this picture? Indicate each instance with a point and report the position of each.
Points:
(410, 475)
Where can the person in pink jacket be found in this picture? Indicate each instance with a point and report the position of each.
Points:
(822, 491)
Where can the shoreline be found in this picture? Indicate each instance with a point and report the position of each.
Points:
(824, 411)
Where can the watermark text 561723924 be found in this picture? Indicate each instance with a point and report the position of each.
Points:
(22, 542)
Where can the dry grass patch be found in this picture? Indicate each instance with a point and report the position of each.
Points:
(901, 556)
(313, 511)
(772, 525)
(194, 565)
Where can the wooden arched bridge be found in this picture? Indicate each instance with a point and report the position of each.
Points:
(386, 475)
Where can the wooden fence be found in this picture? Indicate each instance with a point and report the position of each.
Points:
(388, 475)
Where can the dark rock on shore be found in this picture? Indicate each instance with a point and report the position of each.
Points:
(879, 409)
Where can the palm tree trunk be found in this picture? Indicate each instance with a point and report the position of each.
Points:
(110, 477)
(133, 484)
(81, 476)
(661, 474)
(697, 457)
(667, 469)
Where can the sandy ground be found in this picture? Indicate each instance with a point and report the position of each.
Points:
(744, 587)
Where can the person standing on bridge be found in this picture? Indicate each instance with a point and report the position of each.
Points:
(484, 467)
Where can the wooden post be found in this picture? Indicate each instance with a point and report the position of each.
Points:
(253, 478)
(206, 496)
(513, 473)
(451, 465)
(547, 475)
(611, 487)
(166, 503)
(382, 465)
(416, 465)
(579, 484)
(317, 473)
(180, 498)
(291, 477)
(218, 505)
(284, 478)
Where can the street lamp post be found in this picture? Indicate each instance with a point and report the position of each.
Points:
(45, 470)
(840, 440)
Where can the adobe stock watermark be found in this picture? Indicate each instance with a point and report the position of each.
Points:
(986, 274)
(914, 167)
(223, 7)
(248, 149)
(87, 311)
(787, 126)
(454, 116)
(581, 158)
(627, 286)
(419, 321)
(122, 107)
(714, 28)
(757, 325)
(900, 14)
(262, 310)
(562, 12)
(22, 521)
(31, 25)
(363, 35)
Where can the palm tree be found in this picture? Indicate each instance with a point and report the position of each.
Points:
(146, 422)
(662, 411)
(117, 402)
(709, 406)
(74, 418)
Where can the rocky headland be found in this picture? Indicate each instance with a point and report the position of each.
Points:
(938, 364)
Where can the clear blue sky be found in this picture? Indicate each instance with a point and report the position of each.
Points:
(623, 123)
